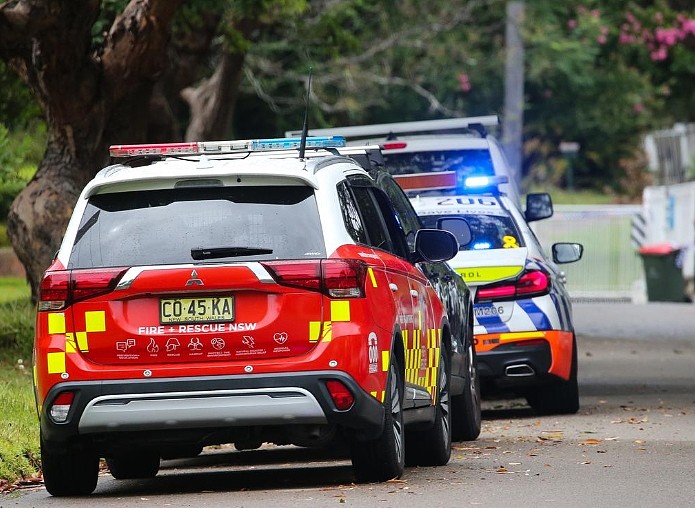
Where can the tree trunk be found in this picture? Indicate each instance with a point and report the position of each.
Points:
(89, 100)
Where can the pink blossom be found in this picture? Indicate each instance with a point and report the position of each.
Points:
(464, 82)
(667, 36)
(601, 39)
(688, 26)
(604, 30)
(638, 108)
(626, 38)
(630, 17)
(595, 13)
(572, 24)
(659, 54)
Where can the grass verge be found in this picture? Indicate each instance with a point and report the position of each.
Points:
(19, 428)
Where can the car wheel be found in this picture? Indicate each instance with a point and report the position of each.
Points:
(383, 458)
(432, 447)
(134, 466)
(559, 397)
(73, 473)
(466, 421)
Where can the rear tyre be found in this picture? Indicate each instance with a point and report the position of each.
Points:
(134, 466)
(383, 458)
(73, 473)
(559, 397)
(432, 447)
(466, 410)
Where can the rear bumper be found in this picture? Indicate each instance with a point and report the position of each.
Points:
(111, 408)
(522, 358)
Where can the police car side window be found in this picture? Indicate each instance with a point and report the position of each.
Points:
(351, 216)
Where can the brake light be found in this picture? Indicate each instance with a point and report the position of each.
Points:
(61, 288)
(333, 277)
(61, 407)
(395, 145)
(533, 283)
(341, 395)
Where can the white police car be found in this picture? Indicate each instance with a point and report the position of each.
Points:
(525, 340)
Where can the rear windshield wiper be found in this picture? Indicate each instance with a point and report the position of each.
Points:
(223, 252)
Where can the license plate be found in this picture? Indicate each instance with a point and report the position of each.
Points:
(196, 310)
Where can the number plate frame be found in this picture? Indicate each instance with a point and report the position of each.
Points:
(203, 309)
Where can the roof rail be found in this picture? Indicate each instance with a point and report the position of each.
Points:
(476, 123)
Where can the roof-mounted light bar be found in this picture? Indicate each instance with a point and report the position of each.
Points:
(221, 147)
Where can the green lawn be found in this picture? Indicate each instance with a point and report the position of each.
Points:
(19, 426)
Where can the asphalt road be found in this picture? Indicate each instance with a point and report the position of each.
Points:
(632, 444)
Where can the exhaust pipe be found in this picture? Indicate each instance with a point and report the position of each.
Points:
(519, 370)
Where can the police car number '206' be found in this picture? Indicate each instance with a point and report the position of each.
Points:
(196, 310)
(488, 311)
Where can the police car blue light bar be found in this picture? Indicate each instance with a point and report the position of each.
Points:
(484, 182)
(220, 147)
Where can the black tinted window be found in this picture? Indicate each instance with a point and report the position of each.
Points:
(162, 226)
(351, 216)
(376, 230)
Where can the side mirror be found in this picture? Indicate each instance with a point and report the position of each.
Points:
(567, 252)
(435, 245)
(457, 226)
(538, 206)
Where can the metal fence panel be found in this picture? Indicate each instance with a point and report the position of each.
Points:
(611, 267)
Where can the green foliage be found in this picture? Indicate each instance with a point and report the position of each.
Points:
(17, 106)
(20, 154)
(19, 439)
(16, 321)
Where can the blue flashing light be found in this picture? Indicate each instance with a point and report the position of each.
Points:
(482, 246)
(484, 182)
(293, 143)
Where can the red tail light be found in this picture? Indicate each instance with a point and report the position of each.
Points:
(334, 278)
(533, 283)
(341, 395)
(394, 145)
(61, 288)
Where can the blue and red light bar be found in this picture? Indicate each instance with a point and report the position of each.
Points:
(220, 147)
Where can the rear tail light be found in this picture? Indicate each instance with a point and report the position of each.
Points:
(61, 288)
(332, 277)
(394, 145)
(534, 283)
(341, 395)
(61, 407)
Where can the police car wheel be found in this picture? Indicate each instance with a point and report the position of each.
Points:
(466, 407)
(134, 466)
(559, 397)
(432, 446)
(383, 458)
(71, 473)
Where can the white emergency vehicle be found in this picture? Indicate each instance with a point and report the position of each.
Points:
(525, 340)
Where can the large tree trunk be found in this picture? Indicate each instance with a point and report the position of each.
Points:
(89, 100)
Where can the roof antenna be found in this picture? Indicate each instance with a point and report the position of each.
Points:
(305, 126)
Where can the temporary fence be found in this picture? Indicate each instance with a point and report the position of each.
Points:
(611, 268)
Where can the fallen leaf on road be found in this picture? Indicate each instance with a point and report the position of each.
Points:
(591, 441)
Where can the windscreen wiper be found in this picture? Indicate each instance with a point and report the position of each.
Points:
(223, 252)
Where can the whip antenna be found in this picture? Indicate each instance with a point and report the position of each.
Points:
(305, 126)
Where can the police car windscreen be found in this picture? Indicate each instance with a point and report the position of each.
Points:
(464, 162)
(157, 227)
(487, 231)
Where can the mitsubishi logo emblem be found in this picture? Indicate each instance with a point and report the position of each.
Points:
(194, 280)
